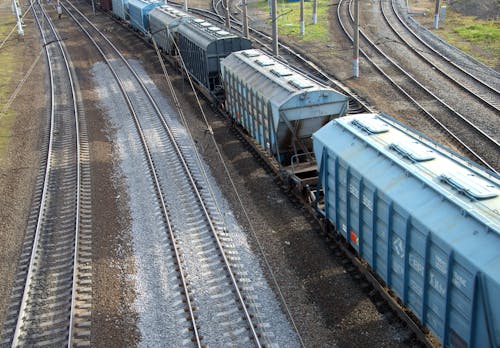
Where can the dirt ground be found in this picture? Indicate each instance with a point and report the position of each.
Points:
(483, 9)
(459, 13)
(20, 162)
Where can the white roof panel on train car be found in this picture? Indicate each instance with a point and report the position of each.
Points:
(272, 69)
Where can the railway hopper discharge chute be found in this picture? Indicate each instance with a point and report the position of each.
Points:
(425, 219)
(278, 106)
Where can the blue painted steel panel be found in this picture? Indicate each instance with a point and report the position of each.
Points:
(426, 220)
(119, 8)
(139, 10)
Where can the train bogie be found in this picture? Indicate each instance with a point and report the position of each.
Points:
(425, 220)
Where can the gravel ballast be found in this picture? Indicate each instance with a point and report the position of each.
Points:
(156, 286)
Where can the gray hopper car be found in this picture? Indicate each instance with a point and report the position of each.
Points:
(164, 22)
(278, 106)
(202, 45)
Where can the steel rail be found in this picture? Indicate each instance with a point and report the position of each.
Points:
(347, 91)
(441, 101)
(432, 64)
(25, 296)
(188, 173)
(78, 185)
(406, 94)
(436, 52)
(149, 159)
(215, 5)
(44, 190)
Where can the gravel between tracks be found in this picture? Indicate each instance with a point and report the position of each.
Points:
(158, 298)
(457, 56)
(380, 33)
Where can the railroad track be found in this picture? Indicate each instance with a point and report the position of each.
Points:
(476, 142)
(50, 301)
(455, 55)
(214, 304)
(475, 87)
(378, 293)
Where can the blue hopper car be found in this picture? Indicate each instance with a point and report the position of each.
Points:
(119, 8)
(139, 13)
(425, 219)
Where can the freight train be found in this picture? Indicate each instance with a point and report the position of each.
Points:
(425, 220)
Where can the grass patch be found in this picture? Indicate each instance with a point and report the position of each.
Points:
(289, 16)
(479, 38)
(9, 64)
(485, 33)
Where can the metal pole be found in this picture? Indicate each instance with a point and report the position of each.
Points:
(302, 26)
(245, 20)
(93, 7)
(59, 10)
(274, 6)
(17, 9)
(436, 15)
(355, 54)
(228, 19)
(185, 5)
(315, 11)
